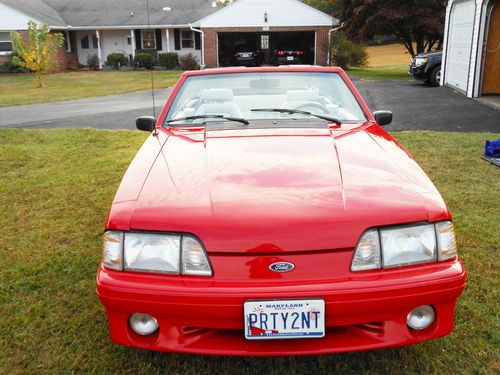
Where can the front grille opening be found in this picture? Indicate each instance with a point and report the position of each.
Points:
(189, 331)
(377, 327)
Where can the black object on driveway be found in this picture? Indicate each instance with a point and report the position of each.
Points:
(427, 67)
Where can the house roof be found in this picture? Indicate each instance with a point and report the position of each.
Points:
(36, 9)
(112, 13)
(133, 13)
(250, 13)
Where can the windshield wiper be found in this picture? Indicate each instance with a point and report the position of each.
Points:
(221, 117)
(297, 111)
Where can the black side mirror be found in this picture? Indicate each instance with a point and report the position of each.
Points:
(383, 117)
(146, 123)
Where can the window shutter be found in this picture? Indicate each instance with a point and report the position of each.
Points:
(197, 40)
(138, 39)
(159, 44)
(177, 39)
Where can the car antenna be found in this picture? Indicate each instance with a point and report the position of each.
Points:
(155, 131)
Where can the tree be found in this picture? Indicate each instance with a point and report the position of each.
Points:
(333, 7)
(36, 52)
(419, 22)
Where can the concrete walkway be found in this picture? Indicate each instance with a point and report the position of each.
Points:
(92, 108)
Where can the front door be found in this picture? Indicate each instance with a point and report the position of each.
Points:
(491, 77)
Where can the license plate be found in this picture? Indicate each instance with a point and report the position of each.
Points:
(284, 319)
(290, 58)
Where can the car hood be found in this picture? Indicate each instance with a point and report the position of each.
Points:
(269, 190)
(430, 54)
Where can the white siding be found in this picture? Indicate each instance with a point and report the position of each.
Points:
(474, 50)
(11, 19)
(83, 54)
(250, 13)
(114, 41)
(182, 51)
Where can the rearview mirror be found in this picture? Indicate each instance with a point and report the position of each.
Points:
(383, 117)
(146, 123)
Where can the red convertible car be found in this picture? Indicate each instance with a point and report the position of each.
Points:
(269, 213)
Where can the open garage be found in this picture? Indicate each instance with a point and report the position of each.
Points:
(266, 48)
(262, 32)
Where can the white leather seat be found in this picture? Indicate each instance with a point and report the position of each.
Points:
(218, 102)
(298, 98)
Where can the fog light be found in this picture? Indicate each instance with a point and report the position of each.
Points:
(143, 324)
(421, 317)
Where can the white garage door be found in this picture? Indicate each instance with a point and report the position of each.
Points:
(460, 44)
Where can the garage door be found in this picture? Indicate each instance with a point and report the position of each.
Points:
(459, 44)
(263, 48)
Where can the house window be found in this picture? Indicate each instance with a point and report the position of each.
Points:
(129, 40)
(95, 42)
(5, 43)
(187, 39)
(264, 41)
(148, 39)
(85, 42)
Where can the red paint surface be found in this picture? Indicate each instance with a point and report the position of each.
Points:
(259, 196)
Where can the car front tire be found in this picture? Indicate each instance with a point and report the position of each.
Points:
(435, 76)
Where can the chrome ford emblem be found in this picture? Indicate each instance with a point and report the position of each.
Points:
(282, 267)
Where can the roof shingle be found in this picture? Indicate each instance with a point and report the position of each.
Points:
(112, 13)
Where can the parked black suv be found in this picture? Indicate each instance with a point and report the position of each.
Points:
(427, 67)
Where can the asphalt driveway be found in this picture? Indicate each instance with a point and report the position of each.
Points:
(415, 105)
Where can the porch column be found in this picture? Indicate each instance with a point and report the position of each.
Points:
(167, 38)
(132, 37)
(98, 35)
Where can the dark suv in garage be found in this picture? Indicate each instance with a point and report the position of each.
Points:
(427, 67)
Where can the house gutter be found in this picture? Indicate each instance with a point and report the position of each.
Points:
(330, 32)
(202, 44)
(129, 27)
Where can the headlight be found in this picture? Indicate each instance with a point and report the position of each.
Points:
(420, 61)
(410, 245)
(403, 246)
(152, 252)
(155, 252)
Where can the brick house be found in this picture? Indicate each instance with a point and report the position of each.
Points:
(200, 27)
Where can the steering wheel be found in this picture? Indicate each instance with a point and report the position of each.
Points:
(312, 105)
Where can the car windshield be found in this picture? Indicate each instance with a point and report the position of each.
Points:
(239, 95)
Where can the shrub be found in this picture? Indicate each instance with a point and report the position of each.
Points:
(93, 61)
(189, 62)
(144, 60)
(10, 66)
(169, 60)
(346, 53)
(117, 60)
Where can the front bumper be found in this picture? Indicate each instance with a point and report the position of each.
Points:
(204, 316)
(418, 72)
(284, 61)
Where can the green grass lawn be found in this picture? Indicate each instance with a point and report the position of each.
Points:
(55, 189)
(396, 72)
(19, 89)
